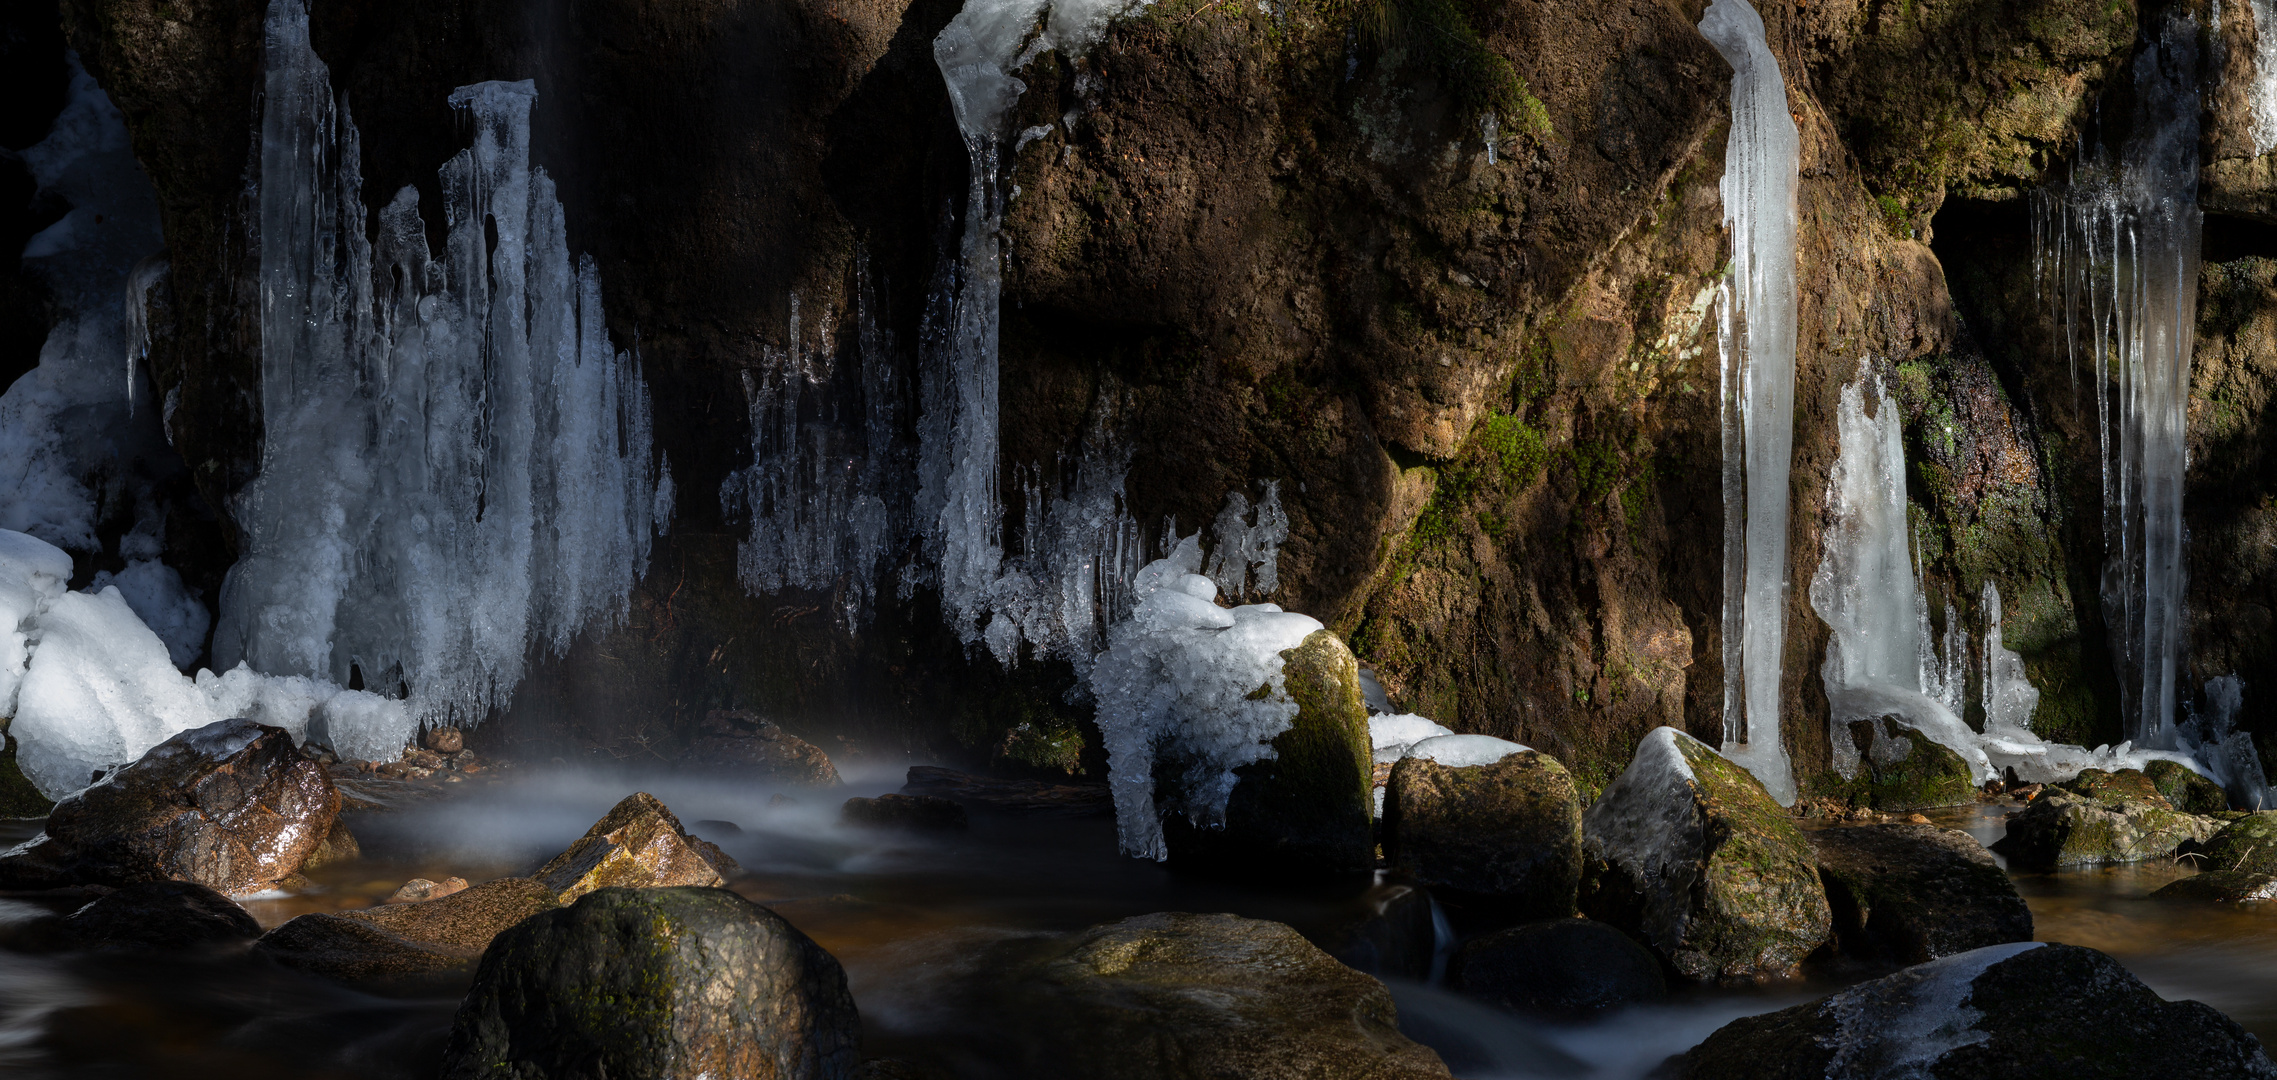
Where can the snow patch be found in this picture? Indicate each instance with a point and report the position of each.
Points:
(1389, 735)
(1465, 751)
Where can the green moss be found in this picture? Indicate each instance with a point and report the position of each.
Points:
(1515, 447)
(1927, 775)
(2186, 790)
(18, 798)
(1437, 36)
(1047, 745)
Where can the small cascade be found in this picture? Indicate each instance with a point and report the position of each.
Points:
(456, 462)
(2116, 257)
(1757, 338)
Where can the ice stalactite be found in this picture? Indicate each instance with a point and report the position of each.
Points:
(1867, 592)
(456, 462)
(2262, 96)
(1757, 335)
(2116, 256)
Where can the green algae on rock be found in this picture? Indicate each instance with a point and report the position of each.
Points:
(1902, 769)
(2062, 828)
(2186, 790)
(1504, 836)
(2248, 845)
(1687, 850)
(2220, 886)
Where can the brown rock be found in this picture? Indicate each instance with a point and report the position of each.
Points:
(1912, 893)
(446, 740)
(1025, 797)
(420, 888)
(231, 806)
(1505, 836)
(405, 940)
(339, 846)
(639, 845)
(750, 746)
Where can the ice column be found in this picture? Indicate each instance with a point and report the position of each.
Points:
(2263, 93)
(1758, 346)
(456, 462)
(2117, 261)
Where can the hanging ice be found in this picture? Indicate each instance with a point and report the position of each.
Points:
(2009, 696)
(1757, 335)
(2263, 93)
(1193, 688)
(456, 463)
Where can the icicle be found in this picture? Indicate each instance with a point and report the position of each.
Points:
(2263, 93)
(1490, 129)
(1760, 176)
(147, 274)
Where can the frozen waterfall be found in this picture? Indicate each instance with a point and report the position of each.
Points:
(456, 462)
(1757, 337)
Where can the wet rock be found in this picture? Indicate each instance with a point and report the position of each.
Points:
(2020, 1010)
(921, 813)
(1911, 893)
(445, 740)
(1686, 850)
(656, 983)
(753, 747)
(340, 845)
(1184, 997)
(420, 888)
(1504, 835)
(638, 844)
(231, 806)
(1392, 933)
(1031, 798)
(2063, 828)
(2247, 845)
(1902, 769)
(406, 941)
(1561, 967)
(160, 916)
(2186, 790)
(1307, 810)
(2125, 787)
(2221, 886)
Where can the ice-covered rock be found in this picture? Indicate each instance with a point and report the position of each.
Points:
(164, 604)
(1194, 687)
(1497, 828)
(2015, 1010)
(1689, 851)
(99, 692)
(1390, 734)
(33, 573)
(1899, 768)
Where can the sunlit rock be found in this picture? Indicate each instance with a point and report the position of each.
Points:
(1499, 827)
(638, 844)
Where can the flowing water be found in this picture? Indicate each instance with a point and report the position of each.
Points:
(907, 916)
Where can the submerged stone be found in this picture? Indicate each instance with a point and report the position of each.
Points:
(406, 941)
(1912, 893)
(1027, 798)
(2061, 828)
(2186, 790)
(1688, 851)
(2221, 886)
(2020, 1010)
(637, 844)
(1391, 934)
(1561, 967)
(1504, 836)
(651, 984)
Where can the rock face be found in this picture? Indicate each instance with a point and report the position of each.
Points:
(753, 747)
(2185, 790)
(637, 844)
(2062, 828)
(1505, 835)
(406, 941)
(2247, 845)
(1307, 809)
(1688, 851)
(1911, 893)
(923, 813)
(2005, 1011)
(231, 806)
(650, 984)
(1561, 967)
(1188, 997)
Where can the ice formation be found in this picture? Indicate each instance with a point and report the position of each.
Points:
(33, 573)
(158, 597)
(2116, 256)
(2263, 94)
(1901, 1025)
(1194, 686)
(456, 462)
(1465, 751)
(1389, 735)
(1246, 560)
(1757, 336)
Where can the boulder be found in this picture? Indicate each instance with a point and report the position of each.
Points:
(2119, 824)
(755, 748)
(638, 844)
(1909, 893)
(2126, 786)
(1687, 851)
(445, 740)
(2246, 845)
(919, 813)
(1391, 933)
(159, 916)
(1501, 833)
(2221, 886)
(1902, 769)
(649, 984)
(1561, 967)
(232, 806)
(406, 941)
(2186, 790)
(420, 888)
(1032, 798)
(339, 846)
(1307, 810)
(1188, 997)
(2019, 1010)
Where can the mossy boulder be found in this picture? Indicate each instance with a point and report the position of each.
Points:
(2247, 845)
(406, 943)
(1305, 811)
(2221, 886)
(2186, 790)
(1911, 893)
(1689, 852)
(2063, 828)
(1902, 769)
(638, 844)
(646, 984)
(2020, 1010)
(1504, 836)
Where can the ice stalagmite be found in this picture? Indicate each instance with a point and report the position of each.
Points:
(456, 462)
(1758, 346)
